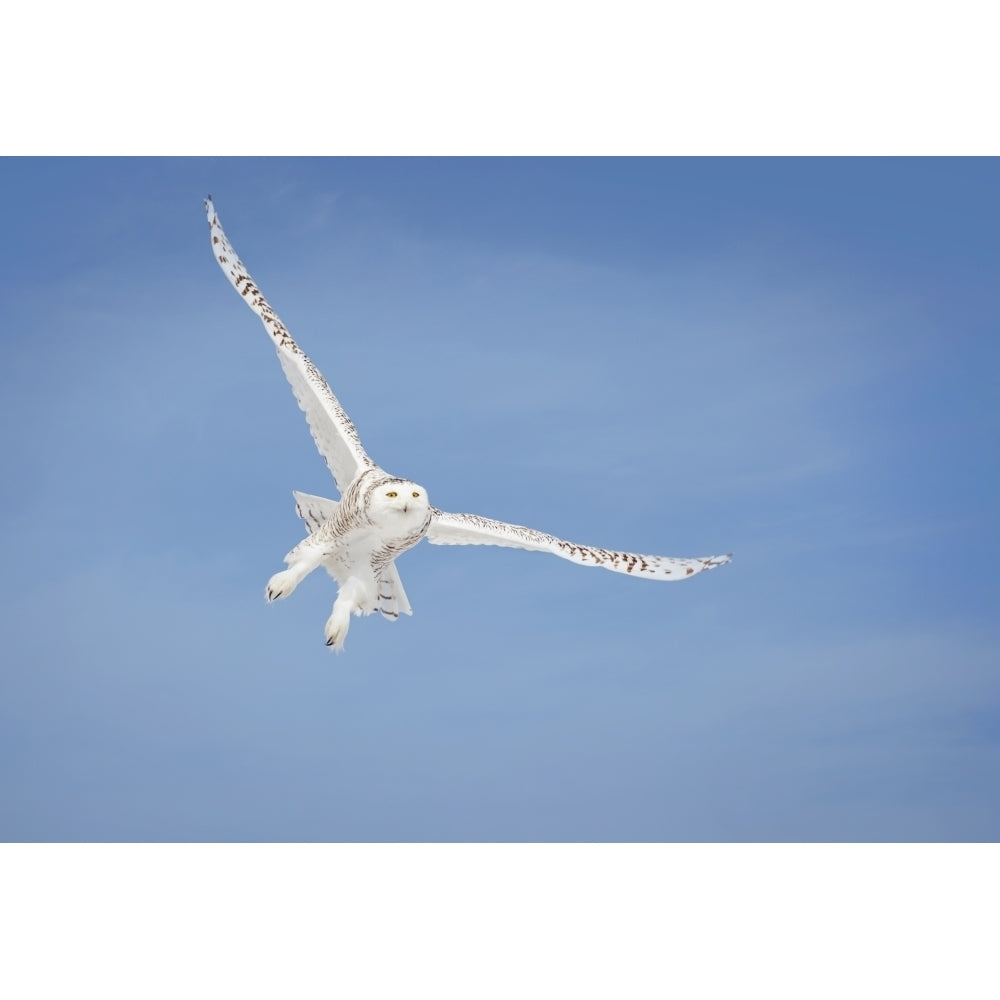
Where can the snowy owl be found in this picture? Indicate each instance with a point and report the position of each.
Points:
(378, 517)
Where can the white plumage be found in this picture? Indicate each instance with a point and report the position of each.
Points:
(358, 538)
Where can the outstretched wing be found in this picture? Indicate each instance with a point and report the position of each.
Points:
(332, 430)
(471, 529)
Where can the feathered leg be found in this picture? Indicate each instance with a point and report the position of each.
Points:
(302, 560)
(349, 601)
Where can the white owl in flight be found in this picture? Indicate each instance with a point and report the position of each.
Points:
(378, 516)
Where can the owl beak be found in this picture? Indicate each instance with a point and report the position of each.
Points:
(406, 507)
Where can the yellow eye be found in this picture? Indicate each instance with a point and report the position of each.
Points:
(392, 493)
(415, 493)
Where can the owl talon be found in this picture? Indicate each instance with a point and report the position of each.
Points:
(281, 585)
(335, 638)
(336, 628)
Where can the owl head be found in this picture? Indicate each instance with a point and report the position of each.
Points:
(399, 503)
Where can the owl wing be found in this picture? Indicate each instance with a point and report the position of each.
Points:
(332, 429)
(471, 529)
(314, 511)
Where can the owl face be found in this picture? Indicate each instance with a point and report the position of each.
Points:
(400, 503)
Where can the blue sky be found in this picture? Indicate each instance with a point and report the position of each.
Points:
(793, 360)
